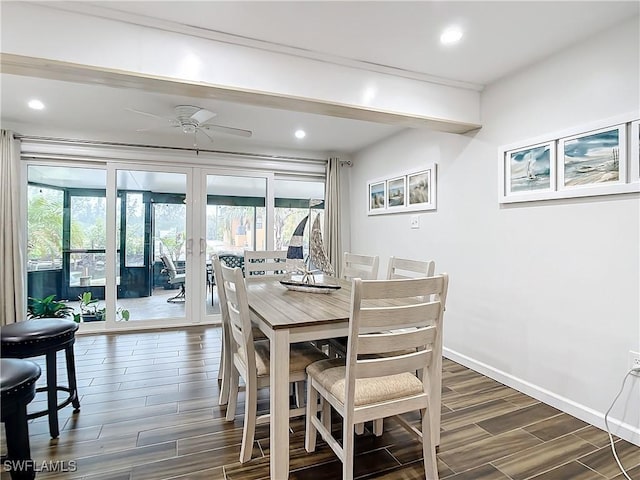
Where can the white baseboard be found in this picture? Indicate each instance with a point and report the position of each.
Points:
(584, 413)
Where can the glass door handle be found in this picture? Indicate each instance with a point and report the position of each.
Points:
(203, 246)
(190, 246)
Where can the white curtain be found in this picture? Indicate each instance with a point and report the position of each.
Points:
(12, 287)
(332, 231)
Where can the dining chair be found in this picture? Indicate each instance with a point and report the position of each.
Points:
(377, 378)
(224, 370)
(360, 266)
(250, 359)
(264, 262)
(353, 266)
(406, 268)
(175, 278)
(230, 260)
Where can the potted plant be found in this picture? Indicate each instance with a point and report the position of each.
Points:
(48, 307)
(91, 311)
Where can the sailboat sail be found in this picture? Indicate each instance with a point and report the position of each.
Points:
(295, 245)
(316, 249)
(295, 252)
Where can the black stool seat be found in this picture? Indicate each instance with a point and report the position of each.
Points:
(17, 388)
(18, 381)
(45, 336)
(36, 337)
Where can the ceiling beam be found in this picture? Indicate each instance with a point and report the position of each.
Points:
(91, 75)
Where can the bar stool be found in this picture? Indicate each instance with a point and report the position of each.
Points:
(45, 336)
(17, 389)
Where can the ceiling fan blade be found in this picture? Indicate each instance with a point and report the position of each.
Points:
(202, 115)
(230, 130)
(204, 132)
(147, 114)
(151, 129)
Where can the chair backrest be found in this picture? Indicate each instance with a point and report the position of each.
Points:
(268, 263)
(232, 260)
(405, 268)
(224, 308)
(378, 306)
(360, 266)
(241, 335)
(169, 266)
(222, 296)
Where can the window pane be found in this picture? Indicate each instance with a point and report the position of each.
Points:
(170, 230)
(134, 236)
(86, 269)
(44, 228)
(235, 214)
(88, 223)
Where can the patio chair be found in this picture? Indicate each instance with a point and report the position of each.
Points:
(175, 278)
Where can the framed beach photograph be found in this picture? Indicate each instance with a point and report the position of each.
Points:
(377, 196)
(403, 192)
(421, 189)
(530, 169)
(396, 189)
(593, 159)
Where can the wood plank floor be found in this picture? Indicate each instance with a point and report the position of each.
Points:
(149, 412)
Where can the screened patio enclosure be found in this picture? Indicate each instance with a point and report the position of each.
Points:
(67, 230)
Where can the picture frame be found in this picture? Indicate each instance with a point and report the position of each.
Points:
(414, 190)
(593, 159)
(396, 193)
(377, 196)
(634, 151)
(530, 170)
(421, 189)
(599, 158)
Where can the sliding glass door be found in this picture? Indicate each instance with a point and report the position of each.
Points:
(152, 245)
(130, 245)
(234, 220)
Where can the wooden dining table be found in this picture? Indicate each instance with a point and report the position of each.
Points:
(287, 317)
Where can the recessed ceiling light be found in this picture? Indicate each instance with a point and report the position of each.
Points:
(451, 35)
(300, 134)
(36, 104)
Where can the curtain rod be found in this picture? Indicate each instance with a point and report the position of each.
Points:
(184, 149)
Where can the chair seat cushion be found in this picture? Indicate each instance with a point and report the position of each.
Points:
(17, 377)
(331, 375)
(302, 355)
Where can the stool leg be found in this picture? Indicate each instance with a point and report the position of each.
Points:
(52, 394)
(18, 450)
(71, 375)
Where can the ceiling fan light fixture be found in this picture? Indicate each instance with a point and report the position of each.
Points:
(188, 128)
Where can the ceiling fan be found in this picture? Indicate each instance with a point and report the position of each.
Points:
(192, 120)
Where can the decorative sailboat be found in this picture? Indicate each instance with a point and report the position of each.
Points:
(317, 261)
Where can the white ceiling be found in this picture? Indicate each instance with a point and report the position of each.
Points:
(500, 38)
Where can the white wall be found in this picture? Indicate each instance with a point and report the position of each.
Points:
(543, 295)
